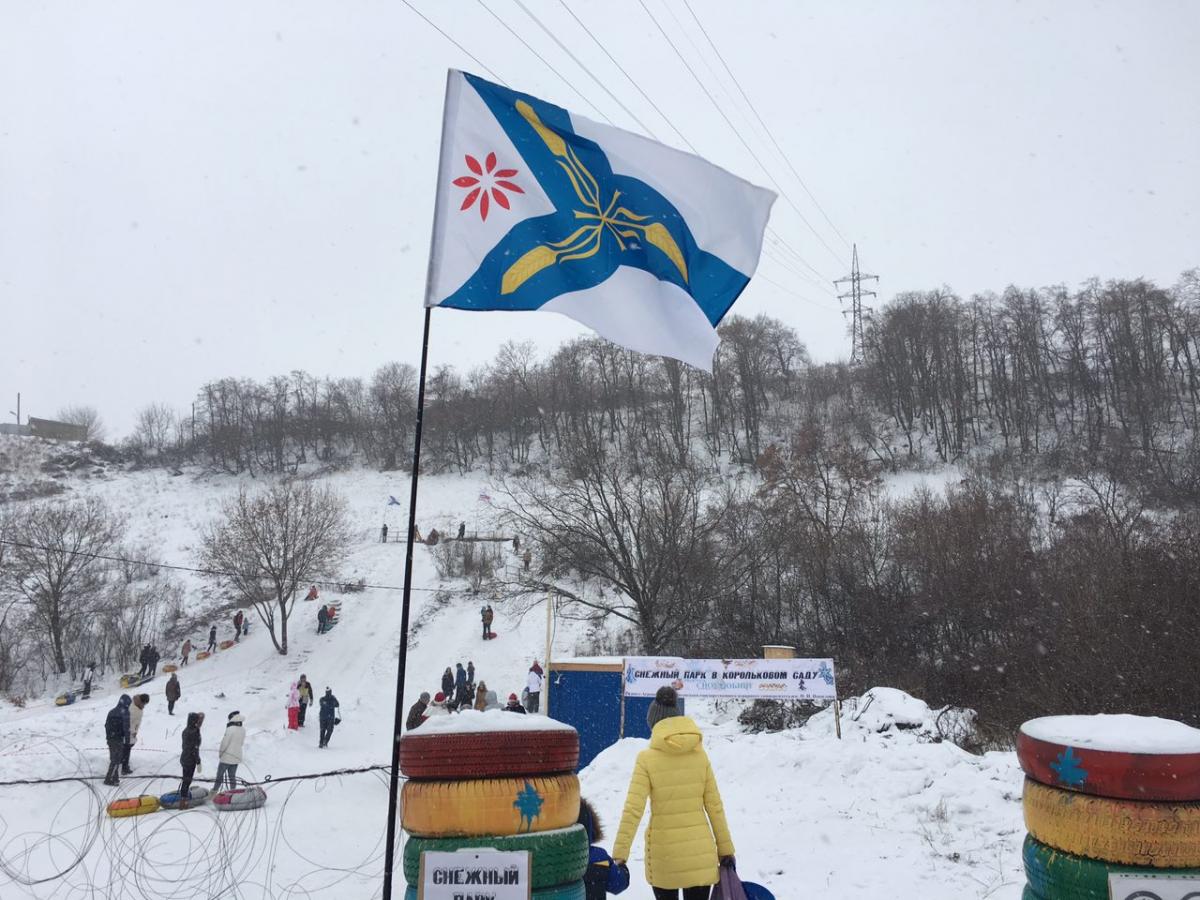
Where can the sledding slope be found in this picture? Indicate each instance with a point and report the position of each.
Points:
(880, 814)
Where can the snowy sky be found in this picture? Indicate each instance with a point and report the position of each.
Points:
(195, 190)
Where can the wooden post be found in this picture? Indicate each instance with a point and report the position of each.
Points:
(549, 643)
(837, 717)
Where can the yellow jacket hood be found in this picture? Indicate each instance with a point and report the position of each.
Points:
(678, 734)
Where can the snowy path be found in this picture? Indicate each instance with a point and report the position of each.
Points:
(869, 816)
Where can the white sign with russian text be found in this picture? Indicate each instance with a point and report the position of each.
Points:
(1153, 887)
(475, 874)
(750, 679)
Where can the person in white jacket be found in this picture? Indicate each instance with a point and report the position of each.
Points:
(232, 743)
(135, 722)
(533, 684)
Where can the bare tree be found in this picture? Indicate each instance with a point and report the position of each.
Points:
(644, 532)
(267, 545)
(53, 566)
(87, 416)
(155, 427)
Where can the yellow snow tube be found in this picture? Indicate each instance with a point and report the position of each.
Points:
(133, 806)
(489, 806)
(1136, 832)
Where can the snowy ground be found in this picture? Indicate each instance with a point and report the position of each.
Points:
(875, 814)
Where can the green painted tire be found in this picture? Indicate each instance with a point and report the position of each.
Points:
(573, 891)
(1055, 875)
(558, 856)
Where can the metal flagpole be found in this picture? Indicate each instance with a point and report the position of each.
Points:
(393, 789)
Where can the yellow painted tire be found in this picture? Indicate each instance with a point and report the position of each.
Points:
(133, 806)
(1135, 832)
(489, 806)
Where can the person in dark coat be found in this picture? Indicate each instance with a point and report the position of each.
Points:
(460, 685)
(154, 658)
(212, 639)
(144, 659)
(173, 693)
(238, 618)
(383, 534)
(185, 650)
(514, 705)
(416, 714)
(329, 716)
(322, 619)
(189, 758)
(462, 530)
(116, 733)
(448, 682)
(470, 671)
(602, 876)
(487, 615)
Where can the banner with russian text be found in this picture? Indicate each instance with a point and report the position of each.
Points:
(749, 679)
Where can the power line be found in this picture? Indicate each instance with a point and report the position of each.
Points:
(821, 282)
(734, 129)
(545, 62)
(765, 128)
(788, 290)
(628, 77)
(473, 57)
(590, 74)
(200, 571)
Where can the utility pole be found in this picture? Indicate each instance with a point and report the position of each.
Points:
(855, 295)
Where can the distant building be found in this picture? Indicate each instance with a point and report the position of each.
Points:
(56, 431)
(10, 428)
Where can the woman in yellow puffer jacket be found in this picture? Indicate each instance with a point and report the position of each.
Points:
(687, 837)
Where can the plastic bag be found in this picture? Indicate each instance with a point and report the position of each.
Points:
(730, 886)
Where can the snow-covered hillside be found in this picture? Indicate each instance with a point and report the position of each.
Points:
(878, 813)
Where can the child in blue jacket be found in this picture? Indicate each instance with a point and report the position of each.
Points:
(603, 876)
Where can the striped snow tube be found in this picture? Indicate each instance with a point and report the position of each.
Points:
(489, 807)
(1161, 835)
(1064, 876)
(1171, 777)
(133, 806)
(196, 797)
(573, 891)
(557, 856)
(240, 798)
(488, 754)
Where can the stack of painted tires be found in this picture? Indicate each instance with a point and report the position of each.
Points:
(1107, 794)
(499, 780)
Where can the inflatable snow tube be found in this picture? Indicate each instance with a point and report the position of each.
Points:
(239, 799)
(492, 806)
(64, 699)
(133, 806)
(133, 680)
(170, 667)
(203, 654)
(225, 645)
(1125, 774)
(573, 891)
(1162, 835)
(756, 891)
(488, 754)
(196, 796)
(1064, 876)
(558, 856)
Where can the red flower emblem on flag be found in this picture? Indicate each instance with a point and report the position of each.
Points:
(486, 184)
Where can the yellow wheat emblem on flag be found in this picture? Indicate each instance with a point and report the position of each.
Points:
(621, 223)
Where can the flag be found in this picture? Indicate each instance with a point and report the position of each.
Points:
(538, 208)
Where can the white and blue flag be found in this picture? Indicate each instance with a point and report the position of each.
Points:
(538, 208)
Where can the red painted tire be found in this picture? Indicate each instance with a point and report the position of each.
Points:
(488, 754)
(1108, 773)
